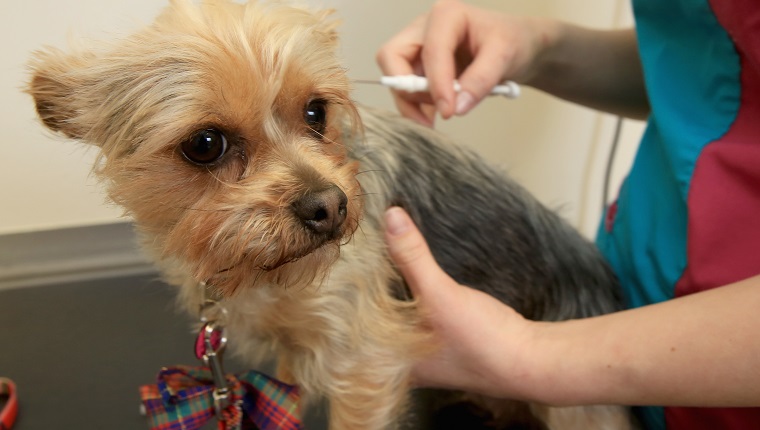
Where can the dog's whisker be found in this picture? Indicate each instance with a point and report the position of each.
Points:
(370, 171)
(218, 180)
(360, 228)
(240, 239)
(200, 209)
(256, 257)
(328, 140)
(257, 277)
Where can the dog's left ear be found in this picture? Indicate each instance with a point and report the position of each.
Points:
(57, 85)
(330, 25)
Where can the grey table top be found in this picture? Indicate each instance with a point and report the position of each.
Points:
(79, 352)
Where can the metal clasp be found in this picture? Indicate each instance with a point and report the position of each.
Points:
(210, 347)
(214, 340)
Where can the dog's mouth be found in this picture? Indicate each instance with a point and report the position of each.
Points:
(257, 262)
(310, 231)
(268, 267)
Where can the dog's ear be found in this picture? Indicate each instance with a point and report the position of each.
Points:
(57, 85)
(330, 24)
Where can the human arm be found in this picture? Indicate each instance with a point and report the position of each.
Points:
(481, 48)
(699, 350)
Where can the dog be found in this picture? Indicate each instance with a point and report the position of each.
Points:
(228, 133)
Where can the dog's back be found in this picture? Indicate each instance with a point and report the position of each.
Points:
(483, 228)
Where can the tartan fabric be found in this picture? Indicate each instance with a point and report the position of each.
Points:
(271, 404)
(183, 400)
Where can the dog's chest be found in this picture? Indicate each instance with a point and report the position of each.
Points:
(282, 317)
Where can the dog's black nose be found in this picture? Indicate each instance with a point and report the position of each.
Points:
(323, 211)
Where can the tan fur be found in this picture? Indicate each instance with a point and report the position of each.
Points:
(325, 309)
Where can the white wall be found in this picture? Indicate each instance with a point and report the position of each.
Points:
(557, 150)
(46, 181)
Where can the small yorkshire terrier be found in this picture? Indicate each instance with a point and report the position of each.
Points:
(228, 133)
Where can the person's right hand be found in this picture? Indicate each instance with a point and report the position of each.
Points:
(480, 48)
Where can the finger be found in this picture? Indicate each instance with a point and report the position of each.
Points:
(397, 58)
(418, 112)
(411, 254)
(479, 78)
(429, 110)
(401, 56)
(445, 31)
(415, 106)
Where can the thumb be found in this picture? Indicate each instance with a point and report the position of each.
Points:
(410, 252)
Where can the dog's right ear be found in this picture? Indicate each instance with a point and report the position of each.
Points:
(58, 86)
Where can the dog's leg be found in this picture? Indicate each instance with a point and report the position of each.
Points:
(374, 391)
(370, 399)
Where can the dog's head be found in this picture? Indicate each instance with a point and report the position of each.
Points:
(220, 128)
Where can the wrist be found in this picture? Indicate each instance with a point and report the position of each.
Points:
(548, 41)
(534, 372)
(522, 365)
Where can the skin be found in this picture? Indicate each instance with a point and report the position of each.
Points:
(698, 350)
(480, 48)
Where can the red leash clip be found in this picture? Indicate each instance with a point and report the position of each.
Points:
(9, 412)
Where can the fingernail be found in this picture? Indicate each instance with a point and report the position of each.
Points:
(465, 101)
(396, 221)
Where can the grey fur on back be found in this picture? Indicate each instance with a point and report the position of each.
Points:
(483, 228)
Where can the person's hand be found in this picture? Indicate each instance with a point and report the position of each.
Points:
(480, 48)
(480, 337)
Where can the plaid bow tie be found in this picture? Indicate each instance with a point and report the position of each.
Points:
(183, 400)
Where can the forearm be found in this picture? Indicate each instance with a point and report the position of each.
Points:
(600, 69)
(699, 350)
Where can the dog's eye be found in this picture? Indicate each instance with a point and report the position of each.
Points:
(315, 115)
(205, 147)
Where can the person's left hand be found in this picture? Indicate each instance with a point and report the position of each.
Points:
(481, 339)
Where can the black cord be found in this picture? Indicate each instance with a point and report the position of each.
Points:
(610, 162)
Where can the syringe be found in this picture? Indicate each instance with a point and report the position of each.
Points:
(416, 84)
